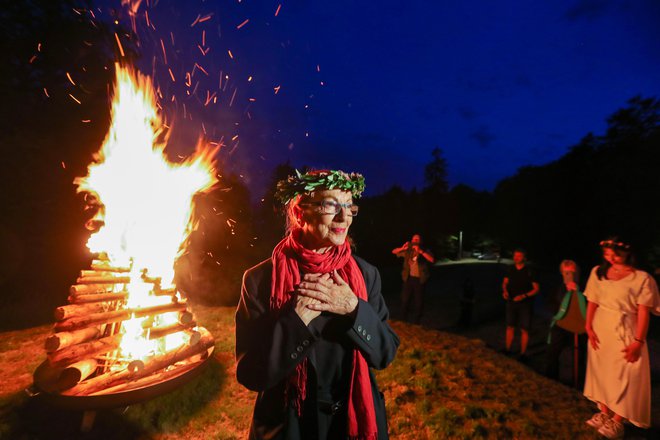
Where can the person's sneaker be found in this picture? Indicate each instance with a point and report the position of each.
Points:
(611, 429)
(598, 420)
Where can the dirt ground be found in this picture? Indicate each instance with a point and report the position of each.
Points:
(442, 309)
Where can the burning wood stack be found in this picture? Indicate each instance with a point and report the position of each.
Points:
(126, 326)
(84, 352)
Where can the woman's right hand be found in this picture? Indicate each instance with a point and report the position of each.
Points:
(593, 338)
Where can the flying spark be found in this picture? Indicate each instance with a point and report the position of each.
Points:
(121, 49)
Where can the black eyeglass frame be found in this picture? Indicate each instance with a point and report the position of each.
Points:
(338, 206)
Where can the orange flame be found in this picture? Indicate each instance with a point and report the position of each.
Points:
(148, 202)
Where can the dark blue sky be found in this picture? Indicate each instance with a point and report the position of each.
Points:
(375, 86)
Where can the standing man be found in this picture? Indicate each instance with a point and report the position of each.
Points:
(519, 286)
(415, 274)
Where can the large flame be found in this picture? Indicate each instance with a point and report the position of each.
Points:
(147, 202)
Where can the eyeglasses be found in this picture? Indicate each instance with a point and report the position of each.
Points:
(333, 207)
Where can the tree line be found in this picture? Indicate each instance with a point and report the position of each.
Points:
(605, 184)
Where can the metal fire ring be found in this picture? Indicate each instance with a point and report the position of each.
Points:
(121, 398)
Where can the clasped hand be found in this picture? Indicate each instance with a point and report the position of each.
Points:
(324, 293)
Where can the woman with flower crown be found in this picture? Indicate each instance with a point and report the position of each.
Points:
(312, 323)
(620, 299)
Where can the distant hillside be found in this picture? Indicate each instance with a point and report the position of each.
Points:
(439, 386)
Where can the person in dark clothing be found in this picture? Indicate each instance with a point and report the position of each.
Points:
(567, 326)
(518, 288)
(312, 323)
(415, 274)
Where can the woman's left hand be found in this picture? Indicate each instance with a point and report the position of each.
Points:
(334, 294)
(632, 352)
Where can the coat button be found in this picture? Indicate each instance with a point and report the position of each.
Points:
(294, 355)
(305, 343)
(368, 337)
(364, 332)
(359, 328)
(299, 349)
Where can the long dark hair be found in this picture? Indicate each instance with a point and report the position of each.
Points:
(621, 247)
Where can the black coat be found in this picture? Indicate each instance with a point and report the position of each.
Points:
(268, 349)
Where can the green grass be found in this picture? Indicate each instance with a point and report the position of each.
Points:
(439, 386)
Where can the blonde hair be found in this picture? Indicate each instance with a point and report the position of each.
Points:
(570, 263)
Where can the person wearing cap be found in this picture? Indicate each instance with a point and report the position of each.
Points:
(311, 323)
(618, 379)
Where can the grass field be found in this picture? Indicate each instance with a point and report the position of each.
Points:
(439, 386)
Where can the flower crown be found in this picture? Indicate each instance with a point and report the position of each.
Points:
(299, 184)
(614, 244)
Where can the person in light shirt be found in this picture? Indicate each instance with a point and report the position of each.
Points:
(621, 298)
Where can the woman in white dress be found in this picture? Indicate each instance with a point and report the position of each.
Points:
(618, 373)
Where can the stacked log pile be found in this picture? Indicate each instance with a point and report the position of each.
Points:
(83, 352)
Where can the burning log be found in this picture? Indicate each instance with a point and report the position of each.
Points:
(62, 340)
(150, 366)
(100, 256)
(78, 322)
(86, 350)
(98, 297)
(140, 364)
(74, 373)
(106, 279)
(87, 289)
(153, 280)
(103, 266)
(159, 332)
(68, 311)
(161, 376)
(186, 317)
(159, 291)
(95, 273)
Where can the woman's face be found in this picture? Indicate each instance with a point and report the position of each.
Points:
(321, 229)
(613, 257)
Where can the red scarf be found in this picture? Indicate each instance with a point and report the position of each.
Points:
(289, 258)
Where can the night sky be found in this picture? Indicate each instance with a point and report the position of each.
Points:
(375, 86)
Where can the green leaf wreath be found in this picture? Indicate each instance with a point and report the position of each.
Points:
(299, 183)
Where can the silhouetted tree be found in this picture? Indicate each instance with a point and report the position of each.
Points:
(604, 185)
(435, 172)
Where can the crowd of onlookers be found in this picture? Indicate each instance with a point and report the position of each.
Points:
(604, 324)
